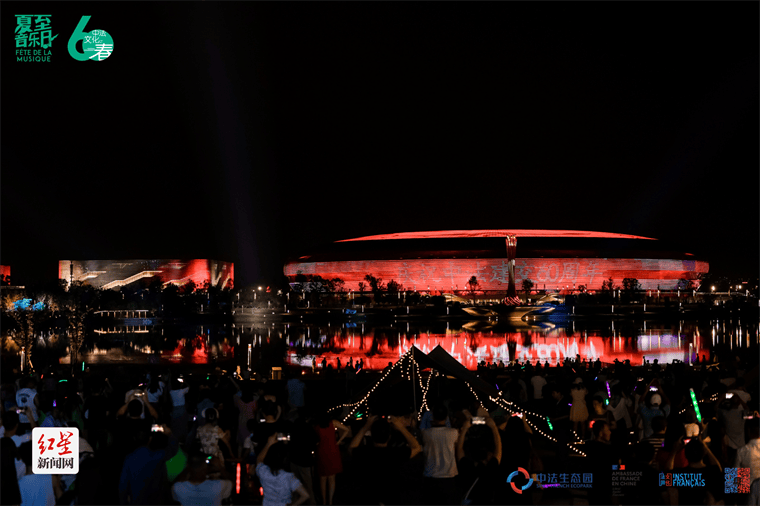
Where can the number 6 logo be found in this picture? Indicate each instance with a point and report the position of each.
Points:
(97, 44)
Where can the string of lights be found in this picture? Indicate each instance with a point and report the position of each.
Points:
(408, 367)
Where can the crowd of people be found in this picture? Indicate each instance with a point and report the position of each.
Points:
(159, 437)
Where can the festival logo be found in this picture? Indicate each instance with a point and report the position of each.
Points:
(97, 45)
(34, 38)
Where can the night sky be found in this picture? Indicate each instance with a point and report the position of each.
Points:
(251, 132)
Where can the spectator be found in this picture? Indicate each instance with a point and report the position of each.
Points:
(578, 410)
(11, 425)
(619, 406)
(713, 490)
(649, 409)
(27, 398)
(601, 458)
(739, 388)
(9, 488)
(205, 393)
(328, 454)
(427, 417)
(143, 477)
(296, 389)
(55, 415)
(671, 454)
(731, 414)
(129, 426)
(379, 464)
(245, 401)
(439, 447)
(559, 414)
(657, 439)
(179, 415)
(155, 391)
(137, 398)
(279, 485)
(96, 416)
(718, 441)
(37, 489)
(270, 425)
(202, 483)
(479, 464)
(749, 454)
(600, 412)
(538, 381)
(210, 434)
(301, 451)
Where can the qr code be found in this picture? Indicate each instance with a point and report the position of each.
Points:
(737, 480)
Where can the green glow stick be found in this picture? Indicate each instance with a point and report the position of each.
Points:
(550, 424)
(696, 406)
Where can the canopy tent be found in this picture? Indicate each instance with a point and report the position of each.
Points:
(409, 366)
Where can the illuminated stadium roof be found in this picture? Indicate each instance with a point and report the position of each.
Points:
(555, 259)
(442, 234)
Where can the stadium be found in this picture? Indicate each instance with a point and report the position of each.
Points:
(445, 261)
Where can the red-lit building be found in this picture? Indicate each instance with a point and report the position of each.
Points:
(552, 259)
(114, 274)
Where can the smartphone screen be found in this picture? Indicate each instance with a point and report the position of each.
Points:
(478, 420)
(729, 395)
(156, 428)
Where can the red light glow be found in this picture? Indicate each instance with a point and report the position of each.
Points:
(492, 273)
(470, 348)
(445, 234)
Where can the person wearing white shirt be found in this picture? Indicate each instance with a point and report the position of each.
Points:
(279, 486)
(538, 381)
(27, 398)
(749, 454)
(196, 485)
(37, 489)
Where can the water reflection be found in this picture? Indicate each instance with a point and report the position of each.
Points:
(468, 342)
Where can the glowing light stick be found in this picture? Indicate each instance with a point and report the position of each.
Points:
(609, 394)
(550, 424)
(696, 406)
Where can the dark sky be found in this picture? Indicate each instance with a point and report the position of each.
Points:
(250, 132)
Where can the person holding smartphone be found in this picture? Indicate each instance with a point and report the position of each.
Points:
(281, 488)
(478, 458)
(380, 464)
(203, 481)
(696, 452)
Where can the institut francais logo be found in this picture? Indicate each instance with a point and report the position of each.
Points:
(34, 40)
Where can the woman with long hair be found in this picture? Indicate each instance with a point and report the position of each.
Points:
(278, 484)
(210, 434)
(328, 454)
(578, 410)
(8, 472)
